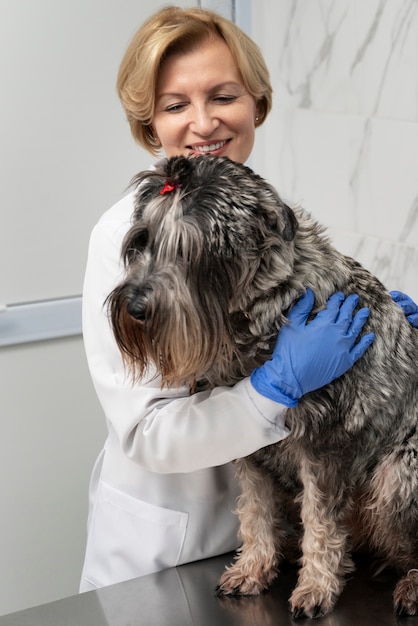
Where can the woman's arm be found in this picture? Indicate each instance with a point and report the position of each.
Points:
(169, 430)
(164, 430)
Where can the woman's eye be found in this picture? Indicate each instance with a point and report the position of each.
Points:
(225, 99)
(173, 108)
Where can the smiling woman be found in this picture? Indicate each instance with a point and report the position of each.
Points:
(182, 54)
(202, 104)
(163, 487)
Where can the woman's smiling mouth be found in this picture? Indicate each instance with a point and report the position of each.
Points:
(209, 147)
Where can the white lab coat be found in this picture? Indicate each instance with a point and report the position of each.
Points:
(163, 487)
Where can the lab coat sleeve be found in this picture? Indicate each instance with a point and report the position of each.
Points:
(164, 430)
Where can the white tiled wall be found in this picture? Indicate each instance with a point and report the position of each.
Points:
(343, 136)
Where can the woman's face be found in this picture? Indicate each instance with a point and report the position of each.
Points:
(202, 106)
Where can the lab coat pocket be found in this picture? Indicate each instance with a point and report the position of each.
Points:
(130, 538)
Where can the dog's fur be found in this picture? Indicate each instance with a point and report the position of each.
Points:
(212, 269)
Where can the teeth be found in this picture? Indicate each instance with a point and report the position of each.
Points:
(211, 147)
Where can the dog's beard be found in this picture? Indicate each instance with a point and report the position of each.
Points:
(159, 327)
(198, 264)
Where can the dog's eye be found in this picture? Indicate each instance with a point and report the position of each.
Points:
(139, 239)
(135, 243)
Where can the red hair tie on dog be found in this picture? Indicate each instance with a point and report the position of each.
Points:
(168, 187)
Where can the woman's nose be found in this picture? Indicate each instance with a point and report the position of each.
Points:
(203, 122)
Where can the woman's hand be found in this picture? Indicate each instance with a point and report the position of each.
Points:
(407, 305)
(309, 355)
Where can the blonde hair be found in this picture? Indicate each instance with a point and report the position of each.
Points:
(175, 30)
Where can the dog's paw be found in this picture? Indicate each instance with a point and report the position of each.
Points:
(234, 581)
(310, 603)
(405, 596)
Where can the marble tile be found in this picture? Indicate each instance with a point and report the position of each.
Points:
(342, 139)
(392, 262)
(384, 72)
(346, 56)
(313, 161)
(356, 176)
(384, 181)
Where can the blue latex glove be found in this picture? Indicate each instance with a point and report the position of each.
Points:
(407, 305)
(308, 356)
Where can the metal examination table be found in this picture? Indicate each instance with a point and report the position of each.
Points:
(184, 596)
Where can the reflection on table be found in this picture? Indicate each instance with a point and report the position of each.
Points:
(185, 596)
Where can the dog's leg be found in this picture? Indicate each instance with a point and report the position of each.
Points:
(325, 560)
(392, 511)
(405, 596)
(256, 565)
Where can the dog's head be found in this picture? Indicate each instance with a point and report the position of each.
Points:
(210, 244)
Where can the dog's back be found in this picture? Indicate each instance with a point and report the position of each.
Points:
(347, 475)
(359, 432)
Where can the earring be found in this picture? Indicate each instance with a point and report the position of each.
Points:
(257, 118)
(153, 136)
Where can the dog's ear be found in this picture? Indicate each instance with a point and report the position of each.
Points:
(290, 223)
(279, 215)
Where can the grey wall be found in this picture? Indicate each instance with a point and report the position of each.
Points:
(66, 155)
(65, 152)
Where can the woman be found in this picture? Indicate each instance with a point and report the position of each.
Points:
(163, 488)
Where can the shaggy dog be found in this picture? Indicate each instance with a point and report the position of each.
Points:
(214, 261)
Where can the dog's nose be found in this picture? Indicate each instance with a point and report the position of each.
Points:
(137, 309)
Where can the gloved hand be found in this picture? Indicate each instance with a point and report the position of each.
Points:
(407, 305)
(308, 356)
